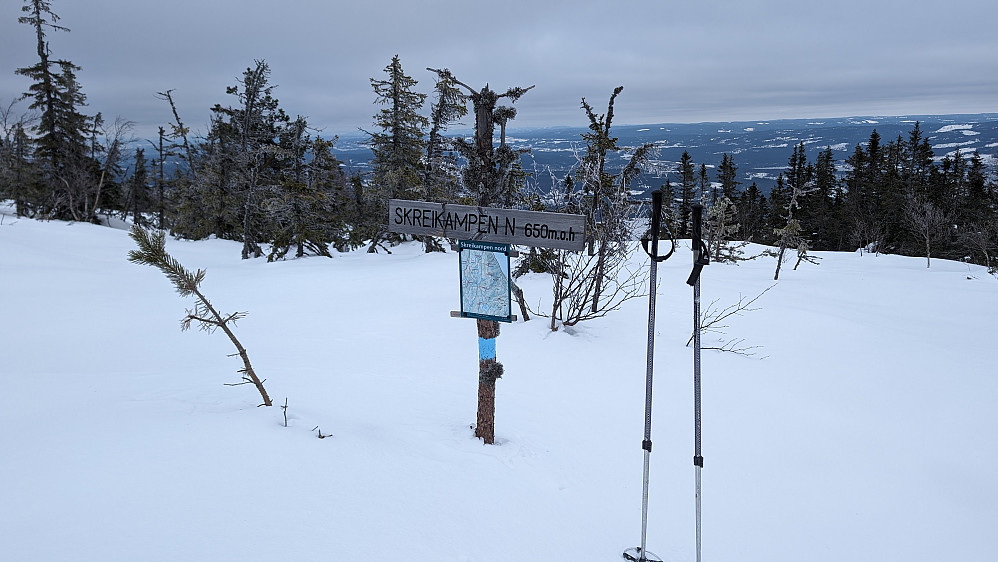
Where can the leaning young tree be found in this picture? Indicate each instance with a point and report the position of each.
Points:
(152, 251)
(485, 176)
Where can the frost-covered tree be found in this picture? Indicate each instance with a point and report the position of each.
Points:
(799, 182)
(442, 178)
(238, 166)
(722, 229)
(928, 223)
(485, 177)
(303, 209)
(588, 286)
(488, 165)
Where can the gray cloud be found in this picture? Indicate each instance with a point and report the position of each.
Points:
(710, 60)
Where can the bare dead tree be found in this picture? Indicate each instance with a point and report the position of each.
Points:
(577, 275)
(152, 251)
(926, 221)
(180, 131)
(982, 238)
(116, 137)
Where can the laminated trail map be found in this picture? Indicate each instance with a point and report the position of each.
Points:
(485, 283)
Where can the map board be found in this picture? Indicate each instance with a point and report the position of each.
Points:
(505, 226)
(485, 282)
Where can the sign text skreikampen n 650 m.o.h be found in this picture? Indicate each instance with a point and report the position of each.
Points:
(506, 226)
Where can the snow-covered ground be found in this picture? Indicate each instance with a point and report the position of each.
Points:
(864, 428)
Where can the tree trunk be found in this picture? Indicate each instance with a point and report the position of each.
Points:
(485, 428)
(779, 262)
(518, 293)
(247, 369)
(598, 288)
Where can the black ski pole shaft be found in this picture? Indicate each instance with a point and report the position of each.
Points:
(656, 213)
(640, 554)
(700, 259)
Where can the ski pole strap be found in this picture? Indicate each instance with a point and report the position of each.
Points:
(702, 258)
(652, 253)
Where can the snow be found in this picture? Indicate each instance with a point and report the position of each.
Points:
(943, 146)
(862, 429)
(951, 128)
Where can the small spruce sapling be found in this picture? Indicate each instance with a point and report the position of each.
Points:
(152, 251)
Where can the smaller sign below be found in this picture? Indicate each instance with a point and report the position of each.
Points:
(485, 281)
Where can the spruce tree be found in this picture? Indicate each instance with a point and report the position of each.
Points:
(863, 227)
(18, 177)
(137, 197)
(727, 174)
(823, 203)
(60, 149)
(687, 194)
(303, 207)
(397, 145)
(708, 194)
(753, 215)
(918, 163)
(976, 208)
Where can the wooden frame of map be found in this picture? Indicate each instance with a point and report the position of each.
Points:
(485, 280)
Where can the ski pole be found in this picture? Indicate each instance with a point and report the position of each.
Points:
(701, 257)
(640, 554)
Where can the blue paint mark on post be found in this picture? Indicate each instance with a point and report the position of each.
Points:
(486, 348)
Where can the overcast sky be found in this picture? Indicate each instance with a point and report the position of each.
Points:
(679, 62)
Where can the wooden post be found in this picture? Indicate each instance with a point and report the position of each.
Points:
(489, 370)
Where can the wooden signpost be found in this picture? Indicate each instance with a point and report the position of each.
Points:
(484, 233)
(487, 224)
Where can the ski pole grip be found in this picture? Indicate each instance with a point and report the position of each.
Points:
(654, 231)
(700, 254)
(656, 220)
(697, 228)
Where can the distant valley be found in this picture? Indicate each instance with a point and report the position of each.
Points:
(760, 149)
